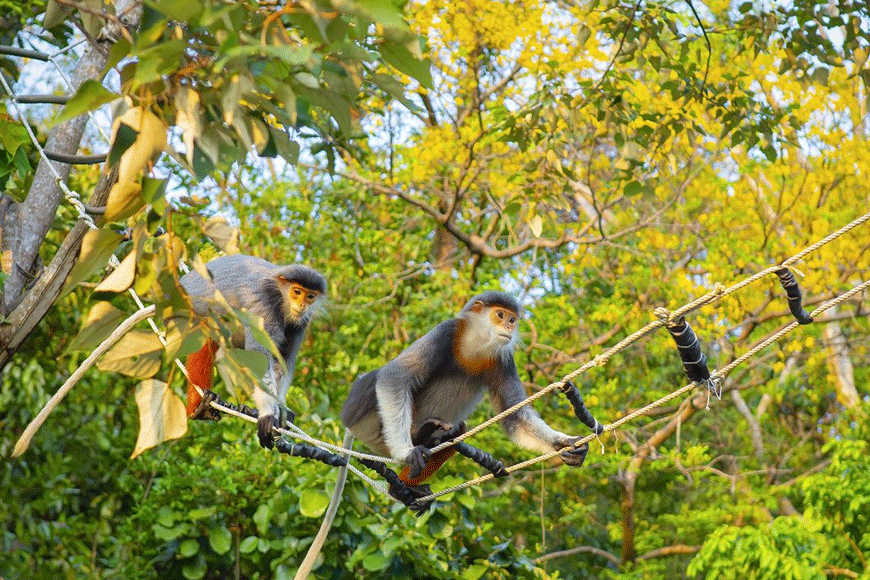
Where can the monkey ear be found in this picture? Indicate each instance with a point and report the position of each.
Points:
(478, 306)
(282, 279)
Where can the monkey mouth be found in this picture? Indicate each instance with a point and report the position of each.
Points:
(506, 337)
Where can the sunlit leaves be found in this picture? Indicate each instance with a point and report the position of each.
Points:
(138, 354)
(161, 415)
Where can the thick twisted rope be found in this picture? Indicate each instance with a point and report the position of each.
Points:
(716, 375)
(718, 292)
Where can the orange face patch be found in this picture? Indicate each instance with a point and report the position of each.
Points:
(297, 298)
(302, 296)
(504, 318)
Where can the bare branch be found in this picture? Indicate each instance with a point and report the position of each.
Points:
(669, 551)
(579, 550)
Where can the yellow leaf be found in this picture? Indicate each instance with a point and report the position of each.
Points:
(121, 277)
(161, 415)
(536, 225)
(150, 141)
(137, 354)
(101, 321)
(188, 118)
(97, 246)
(222, 234)
(125, 198)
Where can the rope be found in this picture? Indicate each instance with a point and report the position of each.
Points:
(72, 197)
(716, 375)
(665, 317)
(297, 433)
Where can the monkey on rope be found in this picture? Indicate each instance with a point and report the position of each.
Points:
(285, 297)
(434, 385)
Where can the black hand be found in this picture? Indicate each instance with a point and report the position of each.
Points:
(416, 461)
(265, 425)
(574, 456)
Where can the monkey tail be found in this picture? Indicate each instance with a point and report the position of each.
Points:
(314, 550)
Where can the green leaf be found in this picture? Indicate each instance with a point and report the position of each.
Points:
(313, 502)
(384, 12)
(166, 517)
(220, 539)
(474, 572)
(120, 49)
(402, 59)
(201, 513)
(248, 545)
(91, 95)
(261, 518)
(188, 548)
(153, 189)
(195, 570)
(633, 188)
(203, 164)
(55, 13)
(175, 10)
(376, 562)
(282, 572)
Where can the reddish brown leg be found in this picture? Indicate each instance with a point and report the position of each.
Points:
(199, 369)
(434, 464)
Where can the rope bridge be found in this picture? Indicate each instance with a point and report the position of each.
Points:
(694, 362)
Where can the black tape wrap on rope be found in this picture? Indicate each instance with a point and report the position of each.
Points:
(309, 452)
(281, 444)
(795, 299)
(694, 361)
(433, 433)
(580, 410)
(482, 458)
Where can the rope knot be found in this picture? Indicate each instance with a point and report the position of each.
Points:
(718, 288)
(664, 315)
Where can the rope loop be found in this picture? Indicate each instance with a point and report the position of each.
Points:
(664, 315)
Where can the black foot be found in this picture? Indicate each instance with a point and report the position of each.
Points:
(265, 430)
(410, 496)
(204, 411)
(575, 456)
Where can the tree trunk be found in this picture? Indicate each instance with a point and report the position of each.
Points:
(841, 365)
(25, 225)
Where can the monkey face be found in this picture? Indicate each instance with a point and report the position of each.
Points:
(297, 298)
(504, 322)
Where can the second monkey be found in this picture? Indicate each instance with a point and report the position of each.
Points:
(284, 297)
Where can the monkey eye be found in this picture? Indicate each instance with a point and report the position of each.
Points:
(500, 314)
(312, 296)
(296, 291)
(512, 319)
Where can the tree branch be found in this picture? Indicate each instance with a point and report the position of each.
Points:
(579, 550)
